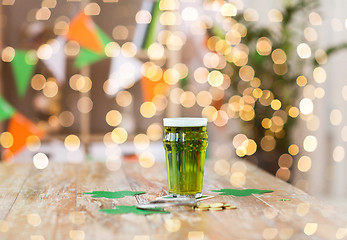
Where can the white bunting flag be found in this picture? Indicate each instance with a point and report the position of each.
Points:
(56, 63)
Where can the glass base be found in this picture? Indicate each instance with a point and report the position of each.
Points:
(180, 196)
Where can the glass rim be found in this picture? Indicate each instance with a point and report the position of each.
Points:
(185, 122)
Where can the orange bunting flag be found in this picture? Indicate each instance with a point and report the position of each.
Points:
(20, 128)
(83, 30)
(152, 88)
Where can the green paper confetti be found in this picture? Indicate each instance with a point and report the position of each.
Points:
(284, 199)
(87, 57)
(6, 110)
(23, 65)
(117, 194)
(241, 192)
(132, 209)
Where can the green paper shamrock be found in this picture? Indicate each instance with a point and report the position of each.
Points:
(241, 192)
(284, 199)
(132, 209)
(117, 194)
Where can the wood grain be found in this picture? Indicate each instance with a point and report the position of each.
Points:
(50, 204)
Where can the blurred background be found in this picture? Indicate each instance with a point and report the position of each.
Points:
(92, 80)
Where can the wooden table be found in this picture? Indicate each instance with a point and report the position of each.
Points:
(50, 204)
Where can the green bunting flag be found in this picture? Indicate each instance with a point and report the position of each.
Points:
(152, 28)
(87, 57)
(6, 110)
(23, 65)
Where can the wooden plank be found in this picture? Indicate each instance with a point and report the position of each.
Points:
(12, 178)
(42, 208)
(98, 225)
(153, 181)
(301, 209)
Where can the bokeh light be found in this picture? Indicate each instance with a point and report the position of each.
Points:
(40, 160)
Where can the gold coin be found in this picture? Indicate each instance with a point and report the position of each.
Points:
(215, 208)
(230, 207)
(226, 205)
(201, 209)
(216, 205)
(203, 205)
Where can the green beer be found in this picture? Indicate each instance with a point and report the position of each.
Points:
(185, 142)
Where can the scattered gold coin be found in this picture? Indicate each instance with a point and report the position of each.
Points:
(201, 209)
(230, 207)
(203, 205)
(215, 208)
(216, 205)
(226, 205)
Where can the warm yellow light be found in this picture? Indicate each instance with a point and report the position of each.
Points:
(38, 82)
(43, 14)
(92, 9)
(171, 76)
(143, 17)
(187, 99)
(113, 118)
(215, 78)
(315, 18)
(279, 56)
(319, 75)
(293, 149)
(85, 105)
(304, 164)
(6, 139)
(264, 46)
(155, 131)
(124, 98)
(72, 142)
(66, 118)
(275, 15)
(155, 51)
(303, 50)
(276, 104)
(119, 135)
(141, 141)
(338, 154)
(209, 113)
(172, 225)
(228, 10)
(51, 89)
(146, 159)
(120, 32)
(251, 15)
(268, 143)
(246, 73)
(335, 117)
(148, 109)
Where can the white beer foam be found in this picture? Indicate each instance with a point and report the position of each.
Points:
(185, 122)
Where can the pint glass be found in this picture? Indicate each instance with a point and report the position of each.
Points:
(185, 142)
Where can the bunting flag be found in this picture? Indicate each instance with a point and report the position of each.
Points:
(6, 110)
(20, 128)
(123, 73)
(145, 34)
(23, 66)
(87, 57)
(152, 88)
(83, 30)
(57, 62)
